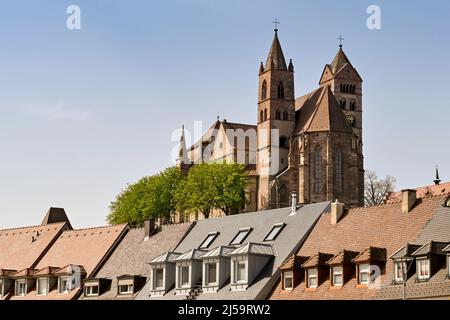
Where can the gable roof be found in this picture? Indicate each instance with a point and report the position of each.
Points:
(22, 248)
(253, 248)
(317, 260)
(432, 247)
(83, 247)
(319, 112)
(193, 254)
(261, 222)
(405, 251)
(220, 251)
(371, 254)
(56, 215)
(343, 257)
(382, 226)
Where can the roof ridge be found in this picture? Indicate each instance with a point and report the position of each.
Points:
(101, 227)
(35, 226)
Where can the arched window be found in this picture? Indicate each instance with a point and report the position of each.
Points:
(278, 115)
(280, 90)
(317, 169)
(261, 116)
(264, 90)
(338, 171)
(283, 142)
(343, 104)
(353, 89)
(285, 115)
(342, 87)
(265, 114)
(352, 105)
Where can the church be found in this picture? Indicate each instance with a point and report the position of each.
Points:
(306, 149)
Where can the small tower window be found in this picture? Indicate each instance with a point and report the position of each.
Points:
(280, 90)
(285, 115)
(265, 114)
(352, 105)
(264, 90)
(343, 104)
(278, 115)
(317, 169)
(261, 116)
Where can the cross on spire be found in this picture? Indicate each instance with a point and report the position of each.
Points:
(340, 41)
(276, 23)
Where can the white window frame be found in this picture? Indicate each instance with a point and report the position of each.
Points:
(397, 269)
(130, 289)
(88, 291)
(337, 271)
(426, 262)
(60, 282)
(207, 273)
(288, 275)
(236, 264)
(448, 266)
(364, 268)
(312, 273)
(181, 283)
(38, 286)
(155, 281)
(17, 286)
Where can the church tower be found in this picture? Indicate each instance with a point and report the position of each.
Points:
(346, 85)
(276, 118)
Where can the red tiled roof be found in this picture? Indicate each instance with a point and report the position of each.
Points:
(431, 190)
(22, 247)
(382, 226)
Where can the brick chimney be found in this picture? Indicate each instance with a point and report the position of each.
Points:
(337, 211)
(149, 227)
(409, 199)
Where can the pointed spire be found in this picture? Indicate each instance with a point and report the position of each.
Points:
(437, 180)
(276, 55)
(261, 68)
(339, 60)
(291, 66)
(182, 152)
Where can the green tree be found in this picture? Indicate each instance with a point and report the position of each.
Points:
(230, 181)
(150, 197)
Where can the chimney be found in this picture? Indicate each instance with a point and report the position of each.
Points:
(337, 211)
(293, 203)
(149, 227)
(409, 198)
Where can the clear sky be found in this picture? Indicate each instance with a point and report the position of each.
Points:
(84, 112)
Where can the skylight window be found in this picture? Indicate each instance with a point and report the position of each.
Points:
(241, 236)
(208, 240)
(274, 232)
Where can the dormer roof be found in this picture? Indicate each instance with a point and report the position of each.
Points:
(317, 260)
(343, 257)
(294, 262)
(165, 257)
(194, 254)
(371, 254)
(432, 247)
(221, 251)
(405, 251)
(253, 248)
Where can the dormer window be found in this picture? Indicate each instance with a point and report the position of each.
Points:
(448, 265)
(337, 276)
(364, 273)
(288, 280)
(158, 276)
(312, 278)
(21, 287)
(240, 274)
(183, 272)
(64, 284)
(241, 236)
(274, 232)
(209, 240)
(42, 286)
(401, 268)
(423, 269)
(125, 289)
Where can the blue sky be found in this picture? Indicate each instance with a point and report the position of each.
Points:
(84, 112)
